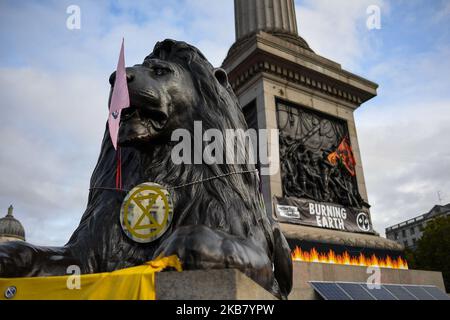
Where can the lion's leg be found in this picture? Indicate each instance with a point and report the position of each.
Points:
(21, 259)
(200, 247)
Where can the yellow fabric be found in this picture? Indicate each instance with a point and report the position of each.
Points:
(136, 283)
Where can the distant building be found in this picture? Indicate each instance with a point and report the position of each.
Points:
(408, 232)
(10, 228)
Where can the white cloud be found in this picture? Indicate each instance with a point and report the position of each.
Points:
(409, 76)
(57, 103)
(403, 135)
(442, 13)
(337, 29)
(51, 128)
(406, 159)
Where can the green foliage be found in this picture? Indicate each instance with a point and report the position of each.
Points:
(433, 249)
(410, 258)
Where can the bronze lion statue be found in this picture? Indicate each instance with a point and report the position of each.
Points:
(219, 223)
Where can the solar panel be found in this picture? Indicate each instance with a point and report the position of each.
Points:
(330, 291)
(436, 293)
(355, 291)
(360, 291)
(380, 293)
(419, 292)
(399, 292)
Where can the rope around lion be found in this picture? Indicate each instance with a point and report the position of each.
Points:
(186, 184)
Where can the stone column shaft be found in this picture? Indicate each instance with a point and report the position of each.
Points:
(266, 15)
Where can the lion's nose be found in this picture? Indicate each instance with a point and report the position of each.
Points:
(129, 73)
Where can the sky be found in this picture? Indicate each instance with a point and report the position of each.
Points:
(54, 91)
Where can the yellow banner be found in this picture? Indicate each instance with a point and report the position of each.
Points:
(136, 283)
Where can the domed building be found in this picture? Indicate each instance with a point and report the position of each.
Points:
(10, 228)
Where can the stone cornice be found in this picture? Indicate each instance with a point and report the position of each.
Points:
(305, 233)
(266, 53)
(15, 236)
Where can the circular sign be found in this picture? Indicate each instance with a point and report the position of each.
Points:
(363, 221)
(146, 212)
(10, 292)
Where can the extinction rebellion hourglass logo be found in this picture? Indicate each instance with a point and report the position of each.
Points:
(10, 292)
(146, 212)
(363, 221)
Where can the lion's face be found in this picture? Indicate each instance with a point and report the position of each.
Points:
(159, 92)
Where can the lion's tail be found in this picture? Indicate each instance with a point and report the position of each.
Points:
(282, 262)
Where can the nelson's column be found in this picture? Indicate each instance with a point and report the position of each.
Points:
(319, 194)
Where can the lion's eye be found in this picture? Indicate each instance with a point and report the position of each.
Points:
(160, 71)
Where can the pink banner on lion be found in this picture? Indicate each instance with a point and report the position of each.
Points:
(120, 98)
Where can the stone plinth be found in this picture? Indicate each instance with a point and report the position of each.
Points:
(306, 271)
(227, 284)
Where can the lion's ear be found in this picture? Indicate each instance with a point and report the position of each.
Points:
(221, 76)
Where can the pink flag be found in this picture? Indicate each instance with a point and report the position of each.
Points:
(120, 98)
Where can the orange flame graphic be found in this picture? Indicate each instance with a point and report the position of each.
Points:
(345, 258)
